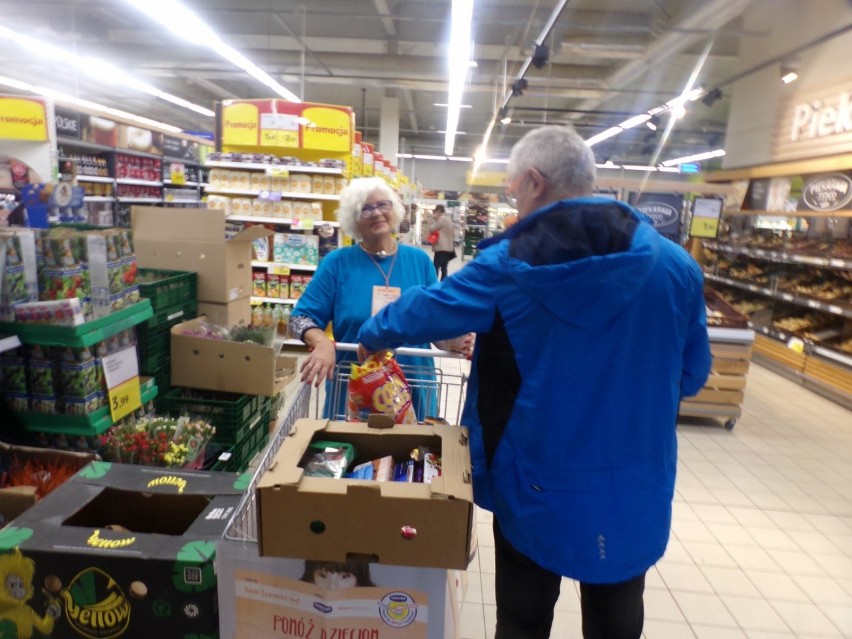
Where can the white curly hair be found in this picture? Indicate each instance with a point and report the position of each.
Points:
(356, 193)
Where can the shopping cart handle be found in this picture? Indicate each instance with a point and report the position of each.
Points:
(413, 352)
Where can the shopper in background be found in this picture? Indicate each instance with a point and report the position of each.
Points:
(445, 246)
(354, 282)
(591, 327)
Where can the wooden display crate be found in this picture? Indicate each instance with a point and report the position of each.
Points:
(779, 352)
(830, 374)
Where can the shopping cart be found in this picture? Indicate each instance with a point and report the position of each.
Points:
(446, 388)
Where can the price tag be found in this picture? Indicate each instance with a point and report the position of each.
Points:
(796, 345)
(124, 399)
(302, 225)
(121, 371)
(704, 227)
(278, 270)
(277, 171)
(285, 139)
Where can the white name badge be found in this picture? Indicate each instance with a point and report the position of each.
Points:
(384, 295)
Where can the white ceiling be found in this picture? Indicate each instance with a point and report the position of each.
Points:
(609, 59)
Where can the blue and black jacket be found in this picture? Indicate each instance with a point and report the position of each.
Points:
(590, 328)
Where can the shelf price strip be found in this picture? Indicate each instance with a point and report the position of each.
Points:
(121, 371)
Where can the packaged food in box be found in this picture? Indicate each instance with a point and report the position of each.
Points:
(258, 284)
(317, 184)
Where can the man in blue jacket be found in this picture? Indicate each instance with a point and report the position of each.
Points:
(591, 328)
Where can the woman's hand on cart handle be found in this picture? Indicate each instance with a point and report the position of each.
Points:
(462, 344)
(319, 364)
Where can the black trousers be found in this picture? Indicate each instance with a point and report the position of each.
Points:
(526, 594)
(441, 261)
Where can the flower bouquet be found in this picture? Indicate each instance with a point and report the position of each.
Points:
(157, 441)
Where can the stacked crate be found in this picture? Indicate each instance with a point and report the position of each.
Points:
(174, 299)
(241, 421)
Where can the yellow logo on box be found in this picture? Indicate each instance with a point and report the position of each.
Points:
(23, 119)
(331, 130)
(240, 124)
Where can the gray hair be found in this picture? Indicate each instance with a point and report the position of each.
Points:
(353, 197)
(560, 155)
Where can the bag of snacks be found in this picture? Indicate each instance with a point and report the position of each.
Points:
(379, 386)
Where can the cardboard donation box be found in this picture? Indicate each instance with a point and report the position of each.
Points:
(194, 240)
(223, 365)
(230, 314)
(121, 551)
(271, 598)
(390, 522)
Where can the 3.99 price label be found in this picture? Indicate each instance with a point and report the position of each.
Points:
(124, 399)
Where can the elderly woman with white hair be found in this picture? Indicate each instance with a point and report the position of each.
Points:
(354, 282)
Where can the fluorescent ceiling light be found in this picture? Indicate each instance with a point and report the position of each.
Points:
(636, 120)
(460, 159)
(496, 161)
(458, 55)
(668, 169)
(404, 155)
(444, 104)
(183, 22)
(605, 135)
(638, 167)
(429, 157)
(787, 78)
(506, 120)
(695, 158)
(651, 125)
(70, 100)
(97, 69)
(608, 165)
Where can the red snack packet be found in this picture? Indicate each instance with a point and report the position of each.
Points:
(379, 386)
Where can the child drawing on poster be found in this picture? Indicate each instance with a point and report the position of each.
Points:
(336, 575)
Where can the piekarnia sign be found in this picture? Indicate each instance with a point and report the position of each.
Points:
(821, 118)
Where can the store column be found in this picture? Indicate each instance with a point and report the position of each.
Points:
(389, 128)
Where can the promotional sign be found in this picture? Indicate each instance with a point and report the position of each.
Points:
(180, 148)
(706, 214)
(23, 119)
(282, 124)
(121, 371)
(664, 209)
(68, 123)
(826, 192)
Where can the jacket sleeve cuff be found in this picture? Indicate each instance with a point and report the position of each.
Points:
(298, 324)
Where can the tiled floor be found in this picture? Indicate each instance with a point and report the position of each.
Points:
(761, 544)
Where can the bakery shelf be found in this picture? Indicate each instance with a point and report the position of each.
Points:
(275, 220)
(260, 166)
(87, 425)
(84, 334)
(781, 256)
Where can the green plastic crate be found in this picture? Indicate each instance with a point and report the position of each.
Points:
(167, 288)
(168, 316)
(233, 415)
(242, 452)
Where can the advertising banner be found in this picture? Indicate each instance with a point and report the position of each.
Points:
(826, 192)
(664, 209)
(23, 119)
(281, 124)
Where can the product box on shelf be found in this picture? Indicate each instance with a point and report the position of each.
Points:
(295, 248)
(15, 499)
(398, 523)
(18, 270)
(124, 551)
(194, 240)
(223, 365)
(269, 597)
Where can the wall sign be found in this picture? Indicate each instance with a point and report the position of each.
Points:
(664, 209)
(814, 123)
(23, 119)
(826, 192)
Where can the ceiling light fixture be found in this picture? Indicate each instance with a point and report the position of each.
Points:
(695, 158)
(710, 98)
(444, 104)
(790, 70)
(184, 23)
(70, 100)
(97, 69)
(458, 55)
(429, 157)
(638, 167)
(605, 135)
(653, 123)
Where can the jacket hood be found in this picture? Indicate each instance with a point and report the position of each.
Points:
(582, 259)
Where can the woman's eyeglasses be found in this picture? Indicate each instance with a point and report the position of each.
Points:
(382, 206)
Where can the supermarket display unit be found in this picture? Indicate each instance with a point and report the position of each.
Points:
(119, 164)
(786, 261)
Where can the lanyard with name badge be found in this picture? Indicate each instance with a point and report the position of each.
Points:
(384, 295)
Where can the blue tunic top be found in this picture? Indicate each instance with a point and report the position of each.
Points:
(341, 292)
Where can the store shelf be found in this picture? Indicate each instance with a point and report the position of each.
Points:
(81, 144)
(141, 200)
(171, 158)
(293, 267)
(738, 335)
(134, 182)
(285, 195)
(190, 185)
(807, 302)
(840, 358)
(95, 178)
(87, 425)
(9, 342)
(272, 300)
(781, 256)
(98, 198)
(275, 220)
(800, 213)
(83, 335)
(176, 200)
(259, 166)
(138, 154)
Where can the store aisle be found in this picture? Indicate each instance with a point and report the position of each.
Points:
(761, 545)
